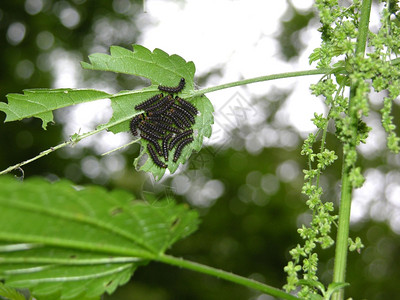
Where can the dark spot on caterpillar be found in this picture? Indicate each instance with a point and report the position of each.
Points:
(180, 147)
(179, 137)
(148, 102)
(171, 90)
(154, 157)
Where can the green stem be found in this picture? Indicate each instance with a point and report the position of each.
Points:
(261, 78)
(363, 28)
(339, 272)
(50, 150)
(72, 141)
(266, 289)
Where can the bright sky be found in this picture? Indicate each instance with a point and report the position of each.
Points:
(237, 34)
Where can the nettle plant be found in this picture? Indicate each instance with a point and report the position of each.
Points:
(66, 243)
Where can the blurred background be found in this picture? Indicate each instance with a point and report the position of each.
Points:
(246, 181)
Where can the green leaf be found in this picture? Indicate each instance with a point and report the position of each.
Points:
(10, 293)
(201, 128)
(315, 55)
(160, 68)
(40, 103)
(123, 105)
(63, 242)
(312, 283)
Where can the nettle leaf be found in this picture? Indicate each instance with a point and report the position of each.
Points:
(67, 243)
(157, 66)
(201, 128)
(10, 293)
(40, 103)
(161, 69)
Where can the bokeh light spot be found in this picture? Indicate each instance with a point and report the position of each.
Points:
(16, 33)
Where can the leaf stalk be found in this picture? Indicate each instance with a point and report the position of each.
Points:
(250, 283)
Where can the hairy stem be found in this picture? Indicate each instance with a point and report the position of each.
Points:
(74, 139)
(250, 283)
(339, 272)
(260, 79)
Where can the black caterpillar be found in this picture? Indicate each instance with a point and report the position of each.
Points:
(160, 119)
(154, 157)
(153, 141)
(183, 112)
(188, 106)
(178, 137)
(135, 123)
(180, 147)
(172, 90)
(149, 130)
(180, 122)
(160, 106)
(167, 127)
(165, 124)
(148, 102)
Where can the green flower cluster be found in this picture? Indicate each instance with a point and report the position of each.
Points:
(344, 41)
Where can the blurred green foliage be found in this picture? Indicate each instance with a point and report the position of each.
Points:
(252, 225)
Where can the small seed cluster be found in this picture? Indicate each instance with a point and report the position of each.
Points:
(166, 124)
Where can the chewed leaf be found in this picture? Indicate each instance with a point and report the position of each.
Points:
(201, 129)
(40, 103)
(157, 66)
(162, 69)
(65, 243)
(10, 293)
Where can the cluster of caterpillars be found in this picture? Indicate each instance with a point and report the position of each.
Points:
(166, 123)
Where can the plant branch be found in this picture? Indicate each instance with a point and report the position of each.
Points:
(250, 283)
(364, 28)
(339, 273)
(260, 79)
(76, 138)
